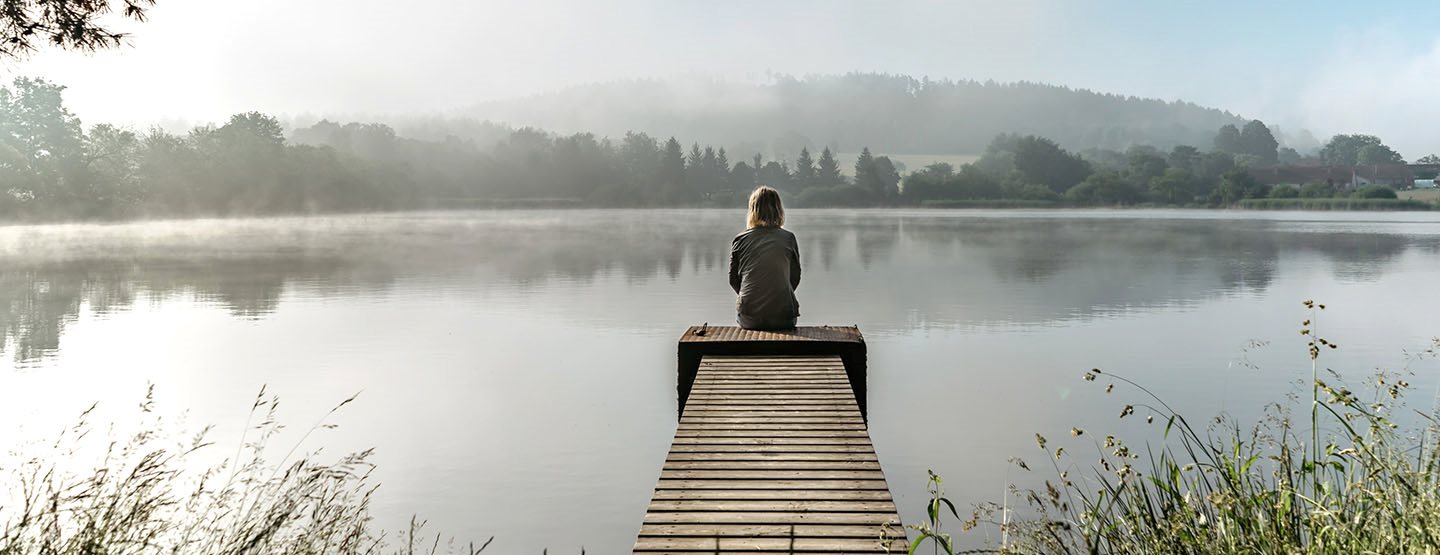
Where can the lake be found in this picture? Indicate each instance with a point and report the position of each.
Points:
(516, 369)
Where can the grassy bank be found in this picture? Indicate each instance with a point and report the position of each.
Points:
(1345, 474)
(144, 494)
(1334, 204)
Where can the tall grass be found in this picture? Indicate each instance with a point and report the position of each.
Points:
(1350, 477)
(147, 495)
(1334, 204)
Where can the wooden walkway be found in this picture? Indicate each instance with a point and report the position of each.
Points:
(771, 456)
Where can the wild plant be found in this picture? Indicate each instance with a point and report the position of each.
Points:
(147, 496)
(1357, 479)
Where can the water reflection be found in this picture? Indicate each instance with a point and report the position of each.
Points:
(968, 270)
(519, 364)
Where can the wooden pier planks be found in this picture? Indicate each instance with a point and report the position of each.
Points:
(771, 456)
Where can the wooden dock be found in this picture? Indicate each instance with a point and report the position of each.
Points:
(772, 455)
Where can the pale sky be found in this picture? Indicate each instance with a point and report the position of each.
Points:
(1327, 66)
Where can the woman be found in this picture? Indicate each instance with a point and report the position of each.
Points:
(765, 266)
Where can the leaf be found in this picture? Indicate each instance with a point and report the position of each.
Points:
(953, 512)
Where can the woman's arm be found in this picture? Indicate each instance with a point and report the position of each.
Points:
(794, 263)
(735, 267)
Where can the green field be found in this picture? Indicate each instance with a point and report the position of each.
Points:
(1422, 195)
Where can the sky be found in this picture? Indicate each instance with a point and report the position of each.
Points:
(1330, 67)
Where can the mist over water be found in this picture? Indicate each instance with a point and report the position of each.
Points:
(517, 367)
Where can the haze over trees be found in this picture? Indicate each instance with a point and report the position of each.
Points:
(891, 113)
(53, 167)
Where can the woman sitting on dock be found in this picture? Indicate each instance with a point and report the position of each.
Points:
(765, 266)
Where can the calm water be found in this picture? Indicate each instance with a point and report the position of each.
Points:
(516, 369)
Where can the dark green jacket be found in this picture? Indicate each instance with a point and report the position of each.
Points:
(764, 272)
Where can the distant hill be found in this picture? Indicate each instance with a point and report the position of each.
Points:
(889, 113)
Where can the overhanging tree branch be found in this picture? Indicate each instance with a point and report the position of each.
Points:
(26, 25)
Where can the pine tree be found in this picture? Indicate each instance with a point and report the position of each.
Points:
(828, 172)
(804, 175)
(695, 169)
(722, 170)
(709, 171)
(865, 176)
(672, 171)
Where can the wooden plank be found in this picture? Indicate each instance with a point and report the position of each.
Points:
(781, 517)
(769, 441)
(771, 475)
(761, 545)
(740, 403)
(770, 465)
(797, 494)
(691, 433)
(782, 448)
(696, 425)
(771, 454)
(764, 530)
(774, 484)
(716, 505)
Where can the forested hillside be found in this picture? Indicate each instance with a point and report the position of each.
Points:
(891, 113)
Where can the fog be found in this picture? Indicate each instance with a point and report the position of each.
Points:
(1329, 68)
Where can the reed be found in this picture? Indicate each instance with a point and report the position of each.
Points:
(1355, 475)
(151, 495)
(1334, 204)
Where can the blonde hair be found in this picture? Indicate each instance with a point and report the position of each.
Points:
(765, 209)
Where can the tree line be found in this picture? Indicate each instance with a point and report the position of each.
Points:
(1037, 170)
(51, 167)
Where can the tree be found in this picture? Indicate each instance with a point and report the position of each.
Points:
(1041, 161)
(887, 176)
(1105, 187)
(1227, 140)
(1236, 185)
(1172, 187)
(742, 178)
(774, 174)
(930, 183)
(1377, 154)
(1144, 165)
(1184, 157)
(877, 175)
(708, 172)
(865, 171)
(1256, 140)
(66, 24)
(672, 169)
(1428, 159)
(46, 141)
(804, 176)
(1344, 150)
(722, 167)
(827, 173)
(640, 160)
